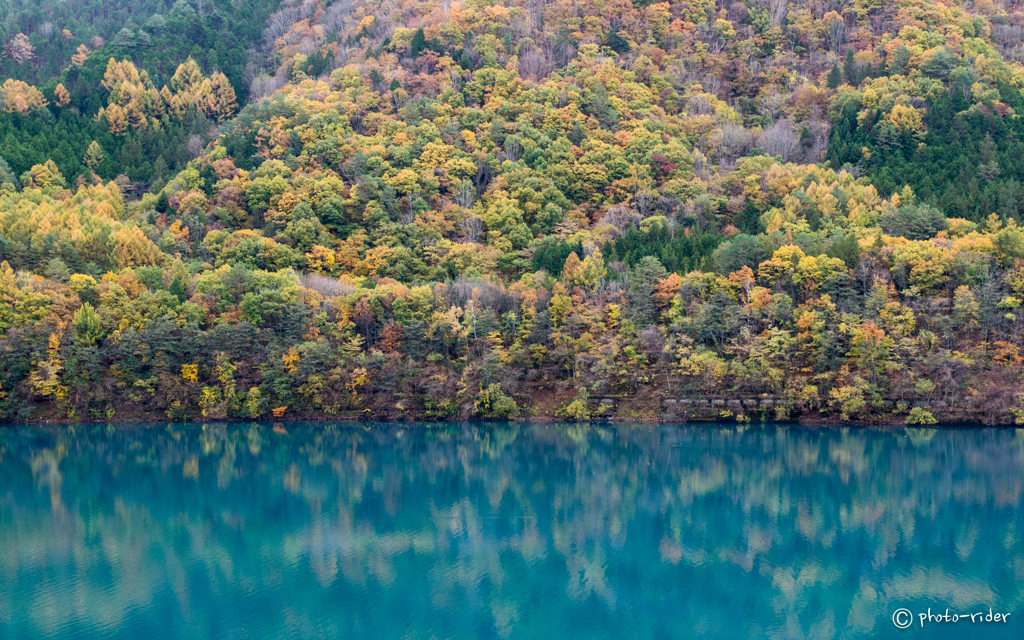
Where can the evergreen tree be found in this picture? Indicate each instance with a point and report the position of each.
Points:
(418, 43)
(835, 77)
(848, 68)
(93, 156)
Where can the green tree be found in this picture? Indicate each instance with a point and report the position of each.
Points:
(88, 324)
(93, 156)
(418, 43)
(643, 278)
(835, 77)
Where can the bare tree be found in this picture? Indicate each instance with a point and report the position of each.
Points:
(513, 148)
(195, 146)
(772, 103)
(777, 11)
(644, 201)
(780, 140)
(472, 228)
(263, 86)
(326, 286)
(465, 195)
(535, 64)
(734, 141)
(619, 217)
(835, 33)
(700, 106)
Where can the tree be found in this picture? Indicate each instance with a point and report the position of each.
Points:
(592, 271)
(914, 222)
(133, 249)
(187, 78)
(20, 49)
(871, 347)
(61, 97)
(221, 101)
(80, 56)
(835, 77)
(848, 69)
(116, 119)
(571, 268)
(43, 176)
(57, 270)
(493, 403)
(643, 279)
(93, 156)
(418, 43)
(21, 97)
(780, 140)
(88, 324)
(8, 181)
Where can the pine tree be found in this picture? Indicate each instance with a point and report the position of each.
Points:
(80, 55)
(61, 97)
(177, 289)
(418, 42)
(116, 119)
(20, 49)
(848, 71)
(222, 95)
(835, 77)
(135, 115)
(88, 324)
(571, 268)
(93, 156)
(187, 78)
(8, 181)
(155, 102)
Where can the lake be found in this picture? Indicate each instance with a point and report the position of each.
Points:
(495, 530)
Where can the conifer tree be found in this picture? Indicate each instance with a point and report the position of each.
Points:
(93, 156)
(222, 97)
(116, 119)
(80, 55)
(187, 78)
(835, 77)
(418, 42)
(61, 97)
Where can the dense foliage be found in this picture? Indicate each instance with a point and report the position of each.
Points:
(448, 209)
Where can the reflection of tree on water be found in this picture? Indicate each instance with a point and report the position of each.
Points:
(514, 530)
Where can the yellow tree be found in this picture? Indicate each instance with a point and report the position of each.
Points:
(222, 102)
(80, 55)
(571, 268)
(134, 114)
(21, 97)
(116, 119)
(133, 249)
(61, 96)
(187, 78)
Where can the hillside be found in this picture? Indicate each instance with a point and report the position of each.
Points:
(499, 209)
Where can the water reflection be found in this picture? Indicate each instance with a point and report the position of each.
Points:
(504, 531)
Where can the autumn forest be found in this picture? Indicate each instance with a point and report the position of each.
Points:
(399, 209)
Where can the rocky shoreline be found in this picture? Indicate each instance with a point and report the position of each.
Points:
(618, 409)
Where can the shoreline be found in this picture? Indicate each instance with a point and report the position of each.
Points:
(563, 407)
(810, 421)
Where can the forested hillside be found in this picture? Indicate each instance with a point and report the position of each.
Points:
(497, 209)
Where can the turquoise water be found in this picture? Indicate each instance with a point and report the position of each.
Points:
(506, 531)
